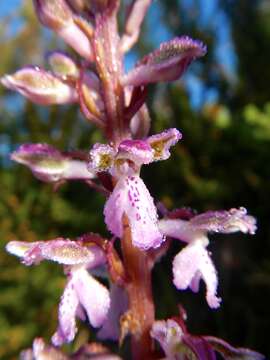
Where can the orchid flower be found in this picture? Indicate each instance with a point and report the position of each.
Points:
(83, 293)
(178, 344)
(130, 196)
(194, 263)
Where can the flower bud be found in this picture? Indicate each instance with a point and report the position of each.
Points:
(58, 16)
(54, 14)
(50, 165)
(63, 65)
(40, 86)
(91, 101)
(167, 63)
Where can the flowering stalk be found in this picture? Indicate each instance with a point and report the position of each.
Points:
(141, 315)
(110, 67)
(115, 102)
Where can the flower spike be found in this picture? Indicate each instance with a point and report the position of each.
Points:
(167, 63)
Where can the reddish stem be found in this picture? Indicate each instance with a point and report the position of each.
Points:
(139, 288)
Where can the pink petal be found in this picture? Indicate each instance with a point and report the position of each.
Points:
(138, 151)
(93, 296)
(182, 230)
(131, 197)
(189, 263)
(67, 312)
(161, 143)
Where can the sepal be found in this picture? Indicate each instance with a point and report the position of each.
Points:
(225, 222)
(63, 251)
(101, 157)
(161, 143)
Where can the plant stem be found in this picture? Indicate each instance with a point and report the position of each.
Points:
(139, 288)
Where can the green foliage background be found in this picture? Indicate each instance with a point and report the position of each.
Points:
(222, 162)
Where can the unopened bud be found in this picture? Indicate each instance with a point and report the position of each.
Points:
(54, 14)
(167, 63)
(40, 86)
(58, 16)
(63, 65)
(50, 165)
(90, 99)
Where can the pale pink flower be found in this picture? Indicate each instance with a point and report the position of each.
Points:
(194, 262)
(130, 196)
(83, 294)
